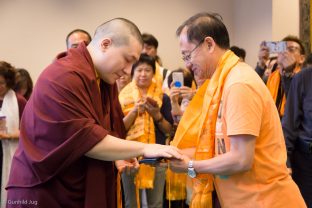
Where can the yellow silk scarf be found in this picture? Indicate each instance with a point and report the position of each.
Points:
(158, 78)
(175, 185)
(197, 127)
(273, 85)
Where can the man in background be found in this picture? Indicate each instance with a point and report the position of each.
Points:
(289, 63)
(240, 52)
(77, 36)
(297, 127)
(150, 48)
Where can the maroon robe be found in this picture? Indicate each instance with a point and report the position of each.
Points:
(65, 117)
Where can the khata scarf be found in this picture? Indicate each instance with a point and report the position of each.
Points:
(273, 85)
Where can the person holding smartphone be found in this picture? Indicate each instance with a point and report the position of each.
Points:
(288, 63)
(182, 90)
(147, 119)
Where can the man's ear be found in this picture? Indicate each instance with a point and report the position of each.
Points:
(302, 59)
(210, 43)
(106, 43)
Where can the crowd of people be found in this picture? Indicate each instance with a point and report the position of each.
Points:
(107, 125)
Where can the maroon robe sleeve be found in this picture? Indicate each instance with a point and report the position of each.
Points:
(58, 127)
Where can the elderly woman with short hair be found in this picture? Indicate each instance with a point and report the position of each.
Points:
(147, 119)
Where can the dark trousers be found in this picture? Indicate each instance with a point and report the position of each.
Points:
(301, 165)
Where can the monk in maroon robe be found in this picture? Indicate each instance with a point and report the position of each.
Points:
(70, 124)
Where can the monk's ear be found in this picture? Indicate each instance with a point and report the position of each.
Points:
(210, 43)
(106, 43)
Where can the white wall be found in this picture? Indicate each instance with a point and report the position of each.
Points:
(253, 24)
(285, 18)
(255, 21)
(34, 31)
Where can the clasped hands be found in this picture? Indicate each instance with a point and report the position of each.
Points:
(175, 160)
(148, 105)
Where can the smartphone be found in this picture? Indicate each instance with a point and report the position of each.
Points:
(178, 79)
(276, 47)
(151, 161)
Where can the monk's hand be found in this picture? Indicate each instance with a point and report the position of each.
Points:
(179, 166)
(158, 150)
(128, 166)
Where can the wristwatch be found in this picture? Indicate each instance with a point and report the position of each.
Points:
(190, 170)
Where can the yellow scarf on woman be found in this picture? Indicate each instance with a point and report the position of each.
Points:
(158, 77)
(197, 127)
(143, 128)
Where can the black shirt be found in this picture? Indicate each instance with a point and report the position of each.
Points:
(165, 110)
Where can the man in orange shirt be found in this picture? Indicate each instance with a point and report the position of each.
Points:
(231, 131)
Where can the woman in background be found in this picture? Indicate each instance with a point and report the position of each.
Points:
(123, 81)
(12, 106)
(23, 83)
(147, 119)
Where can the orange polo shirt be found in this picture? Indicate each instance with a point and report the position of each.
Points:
(248, 108)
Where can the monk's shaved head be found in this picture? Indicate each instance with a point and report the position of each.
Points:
(116, 46)
(118, 30)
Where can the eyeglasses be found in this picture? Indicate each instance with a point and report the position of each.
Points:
(292, 49)
(187, 57)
